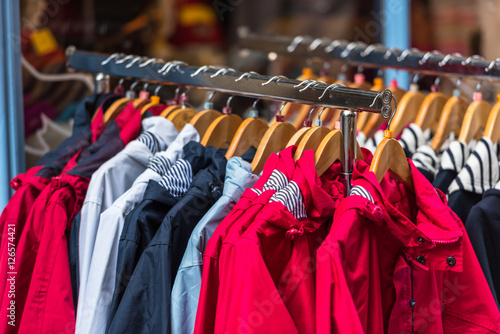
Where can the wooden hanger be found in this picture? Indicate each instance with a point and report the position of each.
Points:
(475, 119)
(297, 137)
(390, 155)
(408, 108)
(220, 133)
(430, 110)
(311, 140)
(313, 136)
(202, 120)
(275, 139)
(176, 105)
(249, 134)
(181, 117)
(450, 121)
(117, 107)
(331, 149)
(492, 130)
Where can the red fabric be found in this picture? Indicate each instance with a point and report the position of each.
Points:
(28, 188)
(240, 217)
(43, 298)
(368, 270)
(268, 274)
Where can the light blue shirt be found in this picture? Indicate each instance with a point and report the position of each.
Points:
(187, 285)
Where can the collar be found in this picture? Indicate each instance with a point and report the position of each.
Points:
(303, 205)
(481, 171)
(238, 178)
(426, 158)
(158, 133)
(421, 221)
(413, 137)
(178, 178)
(162, 161)
(267, 171)
(455, 156)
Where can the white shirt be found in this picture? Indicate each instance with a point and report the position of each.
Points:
(94, 303)
(112, 179)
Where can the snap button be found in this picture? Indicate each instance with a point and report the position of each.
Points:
(421, 240)
(451, 261)
(412, 302)
(421, 259)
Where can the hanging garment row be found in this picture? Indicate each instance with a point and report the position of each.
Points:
(153, 217)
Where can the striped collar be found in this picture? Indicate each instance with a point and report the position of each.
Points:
(158, 133)
(413, 137)
(456, 155)
(481, 171)
(426, 158)
(178, 178)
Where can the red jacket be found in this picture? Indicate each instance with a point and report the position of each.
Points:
(277, 171)
(398, 261)
(267, 273)
(43, 282)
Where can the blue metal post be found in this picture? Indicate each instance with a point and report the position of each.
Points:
(395, 22)
(11, 103)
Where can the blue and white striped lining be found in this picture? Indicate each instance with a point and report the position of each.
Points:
(276, 181)
(481, 171)
(178, 178)
(413, 137)
(360, 191)
(150, 140)
(426, 158)
(160, 164)
(291, 197)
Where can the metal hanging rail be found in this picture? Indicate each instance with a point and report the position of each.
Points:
(229, 81)
(374, 55)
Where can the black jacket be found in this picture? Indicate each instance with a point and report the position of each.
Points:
(145, 305)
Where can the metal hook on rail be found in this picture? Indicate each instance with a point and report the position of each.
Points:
(124, 59)
(276, 78)
(335, 44)
(114, 55)
(470, 59)
(429, 55)
(296, 41)
(448, 57)
(149, 61)
(406, 53)
(351, 46)
(309, 84)
(492, 64)
(317, 42)
(223, 71)
(246, 75)
(135, 60)
(370, 48)
(332, 87)
(391, 51)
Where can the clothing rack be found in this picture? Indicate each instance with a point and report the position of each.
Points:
(373, 55)
(229, 81)
(247, 84)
